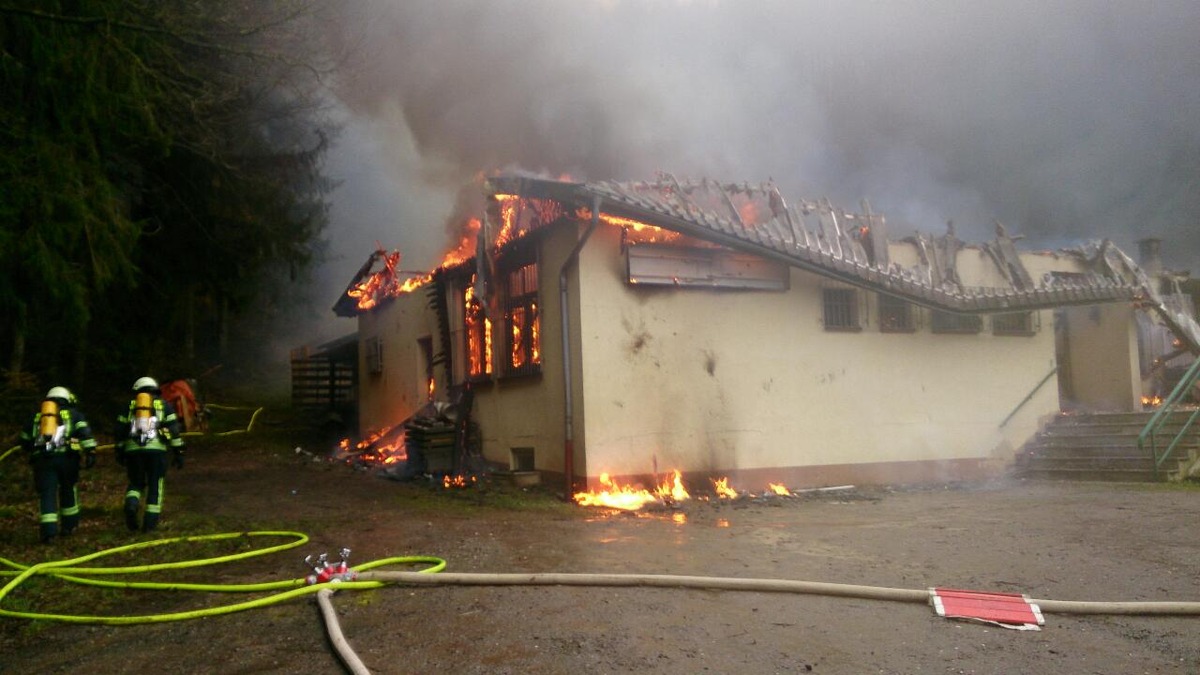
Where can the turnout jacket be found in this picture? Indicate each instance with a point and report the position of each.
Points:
(158, 431)
(76, 435)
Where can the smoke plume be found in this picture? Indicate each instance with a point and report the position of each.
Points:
(1067, 120)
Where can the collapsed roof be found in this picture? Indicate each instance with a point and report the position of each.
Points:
(850, 247)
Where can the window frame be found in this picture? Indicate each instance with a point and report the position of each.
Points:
(477, 323)
(909, 317)
(1027, 328)
(522, 298)
(849, 307)
(373, 355)
(960, 324)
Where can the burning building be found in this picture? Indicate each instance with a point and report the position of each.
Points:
(633, 329)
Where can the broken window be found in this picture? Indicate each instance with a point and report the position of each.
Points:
(425, 349)
(895, 315)
(1014, 323)
(840, 309)
(522, 321)
(949, 322)
(478, 330)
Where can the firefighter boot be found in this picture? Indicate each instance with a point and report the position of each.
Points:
(131, 513)
(48, 531)
(149, 521)
(69, 523)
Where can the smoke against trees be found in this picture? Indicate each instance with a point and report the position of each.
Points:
(1067, 121)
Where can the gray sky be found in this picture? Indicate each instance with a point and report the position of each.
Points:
(1067, 120)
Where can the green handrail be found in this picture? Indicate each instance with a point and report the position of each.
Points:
(1028, 396)
(1163, 414)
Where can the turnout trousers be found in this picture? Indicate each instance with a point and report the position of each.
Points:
(56, 478)
(147, 472)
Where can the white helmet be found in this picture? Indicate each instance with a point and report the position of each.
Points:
(145, 383)
(61, 393)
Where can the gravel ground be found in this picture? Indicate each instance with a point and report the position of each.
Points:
(1048, 540)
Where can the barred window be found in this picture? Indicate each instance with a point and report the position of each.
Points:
(949, 322)
(1015, 323)
(841, 309)
(895, 315)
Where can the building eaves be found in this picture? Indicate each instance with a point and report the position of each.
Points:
(814, 236)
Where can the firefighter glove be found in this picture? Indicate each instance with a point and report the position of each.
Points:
(89, 460)
(177, 458)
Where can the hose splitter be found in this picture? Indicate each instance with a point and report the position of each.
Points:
(325, 571)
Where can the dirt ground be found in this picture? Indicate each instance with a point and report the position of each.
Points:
(1048, 540)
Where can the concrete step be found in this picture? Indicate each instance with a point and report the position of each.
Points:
(1103, 447)
(1127, 476)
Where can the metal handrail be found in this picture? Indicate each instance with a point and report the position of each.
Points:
(1028, 396)
(1163, 414)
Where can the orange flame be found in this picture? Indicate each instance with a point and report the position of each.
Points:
(386, 283)
(616, 496)
(721, 486)
(374, 449)
(630, 498)
(479, 335)
(1151, 401)
(635, 230)
(672, 490)
(778, 489)
(459, 481)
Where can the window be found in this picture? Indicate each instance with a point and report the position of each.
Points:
(895, 315)
(522, 459)
(841, 309)
(1016, 323)
(479, 335)
(374, 355)
(949, 322)
(522, 329)
(425, 348)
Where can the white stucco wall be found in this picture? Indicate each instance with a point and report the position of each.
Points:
(727, 381)
(743, 384)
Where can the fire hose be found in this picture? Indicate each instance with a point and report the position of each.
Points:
(329, 576)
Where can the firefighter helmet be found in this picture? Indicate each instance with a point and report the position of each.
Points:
(145, 383)
(61, 393)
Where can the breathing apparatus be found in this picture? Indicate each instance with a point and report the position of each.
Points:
(53, 432)
(143, 423)
(51, 428)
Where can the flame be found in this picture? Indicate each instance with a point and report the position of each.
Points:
(779, 489)
(721, 486)
(479, 334)
(465, 250)
(459, 481)
(748, 212)
(672, 490)
(386, 282)
(1151, 401)
(635, 230)
(615, 495)
(521, 215)
(432, 388)
(383, 447)
(630, 498)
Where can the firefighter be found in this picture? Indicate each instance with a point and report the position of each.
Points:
(144, 435)
(58, 441)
